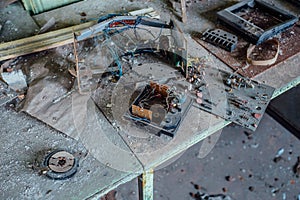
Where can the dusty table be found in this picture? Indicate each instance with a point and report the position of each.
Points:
(97, 178)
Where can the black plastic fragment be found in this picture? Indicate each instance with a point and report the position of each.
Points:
(220, 38)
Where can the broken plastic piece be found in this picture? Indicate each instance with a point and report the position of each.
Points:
(220, 38)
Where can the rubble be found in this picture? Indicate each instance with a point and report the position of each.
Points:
(16, 80)
(296, 167)
(203, 196)
(278, 155)
(6, 94)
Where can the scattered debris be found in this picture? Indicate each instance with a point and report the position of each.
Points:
(230, 178)
(6, 94)
(278, 155)
(249, 134)
(237, 60)
(203, 196)
(16, 80)
(161, 106)
(179, 9)
(220, 38)
(296, 167)
(265, 48)
(49, 24)
(275, 190)
(242, 17)
(83, 14)
(280, 152)
(60, 164)
(251, 188)
(246, 99)
(120, 46)
(284, 196)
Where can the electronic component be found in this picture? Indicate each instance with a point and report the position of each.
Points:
(246, 98)
(160, 107)
(220, 38)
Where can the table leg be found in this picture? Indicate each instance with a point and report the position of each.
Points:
(145, 184)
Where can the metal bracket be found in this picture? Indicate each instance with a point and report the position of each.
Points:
(145, 185)
(233, 17)
(220, 38)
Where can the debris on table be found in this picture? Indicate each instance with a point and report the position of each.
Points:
(203, 196)
(263, 26)
(278, 155)
(121, 39)
(160, 106)
(246, 98)
(256, 20)
(220, 38)
(296, 167)
(6, 94)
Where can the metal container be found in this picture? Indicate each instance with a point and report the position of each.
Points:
(38, 6)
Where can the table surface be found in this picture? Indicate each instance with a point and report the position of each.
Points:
(113, 158)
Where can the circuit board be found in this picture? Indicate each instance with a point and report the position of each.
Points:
(233, 97)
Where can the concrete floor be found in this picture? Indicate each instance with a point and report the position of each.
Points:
(248, 160)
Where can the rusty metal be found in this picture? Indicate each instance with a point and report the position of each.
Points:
(60, 164)
(256, 20)
(61, 161)
(145, 185)
(237, 60)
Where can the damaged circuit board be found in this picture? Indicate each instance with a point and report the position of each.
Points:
(160, 107)
(232, 97)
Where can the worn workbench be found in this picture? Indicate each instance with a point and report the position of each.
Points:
(112, 159)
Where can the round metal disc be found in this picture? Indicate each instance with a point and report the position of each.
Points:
(61, 162)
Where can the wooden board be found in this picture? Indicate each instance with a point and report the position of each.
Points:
(41, 42)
